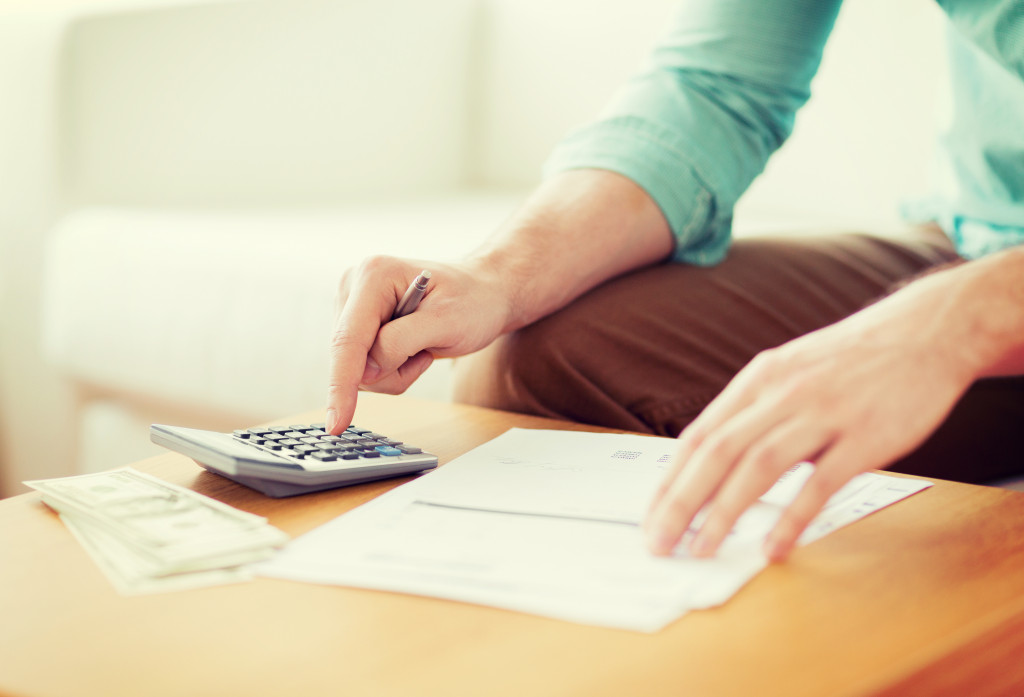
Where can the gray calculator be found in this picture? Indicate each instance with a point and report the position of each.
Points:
(288, 460)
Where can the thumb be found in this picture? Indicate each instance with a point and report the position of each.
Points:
(405, 375)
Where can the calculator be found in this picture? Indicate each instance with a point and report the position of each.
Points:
(284, 461)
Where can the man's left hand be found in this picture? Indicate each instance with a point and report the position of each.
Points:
(851, 397)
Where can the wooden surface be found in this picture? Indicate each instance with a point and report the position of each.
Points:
(925, 597)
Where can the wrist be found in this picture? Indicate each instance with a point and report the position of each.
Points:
(501, 275)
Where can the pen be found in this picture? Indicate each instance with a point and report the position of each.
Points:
(411, 300)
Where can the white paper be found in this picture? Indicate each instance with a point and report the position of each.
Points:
(547, 522)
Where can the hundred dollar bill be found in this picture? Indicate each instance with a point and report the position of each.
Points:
(165, 561)
(132, 575)
(176, 528)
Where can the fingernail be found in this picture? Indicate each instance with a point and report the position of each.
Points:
(773, 549)
(332, 419)
(372, 370)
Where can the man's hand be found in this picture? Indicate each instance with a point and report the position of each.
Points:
(464, 309)
(577, 230)
(851, 397)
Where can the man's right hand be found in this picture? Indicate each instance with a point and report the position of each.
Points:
(577, 230)
(465, 308)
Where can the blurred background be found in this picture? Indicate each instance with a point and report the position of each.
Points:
(182, 181)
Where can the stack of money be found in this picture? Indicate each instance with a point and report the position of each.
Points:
(150, 536)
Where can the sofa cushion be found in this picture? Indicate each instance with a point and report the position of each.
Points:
(229, 311)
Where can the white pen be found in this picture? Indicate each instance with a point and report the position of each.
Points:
(411, 300)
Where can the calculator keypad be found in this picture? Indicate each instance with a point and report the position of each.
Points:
(312, 443)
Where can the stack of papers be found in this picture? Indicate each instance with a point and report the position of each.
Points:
(548, 522)
(151, 536)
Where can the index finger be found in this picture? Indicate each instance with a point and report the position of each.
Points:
(355, 331)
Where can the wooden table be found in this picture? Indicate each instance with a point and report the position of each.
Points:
(924, 597)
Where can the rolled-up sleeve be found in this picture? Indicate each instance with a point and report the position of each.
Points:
(696, 127)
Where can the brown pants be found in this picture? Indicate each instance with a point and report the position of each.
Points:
(649, 350)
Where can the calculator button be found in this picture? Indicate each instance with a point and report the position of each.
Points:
(409, 450)
(371, 453)
(317, 426)
(257, 441)
(242, 434)
(391, 441)
(388, 451)
(289, 442)
(332, 439)
(272, 445)
(280, 429)
(325, 446)
(306, 448)
(350, 456)
(357, 430)
(301, 427)
(294, 434)
(310, 441)
(323, 457)
(316, 433)
(273, 436)
(259, 431)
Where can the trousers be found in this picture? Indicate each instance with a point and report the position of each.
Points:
(647, 351)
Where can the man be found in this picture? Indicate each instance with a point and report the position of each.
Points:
(777, 352)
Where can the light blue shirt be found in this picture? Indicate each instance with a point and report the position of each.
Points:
(722, 92)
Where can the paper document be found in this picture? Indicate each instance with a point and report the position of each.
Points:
(547, 522)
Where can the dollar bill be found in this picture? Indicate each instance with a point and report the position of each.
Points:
(146, 508)
(131, 575)
(144, 527)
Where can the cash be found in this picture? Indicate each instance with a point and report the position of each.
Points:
(149, 536)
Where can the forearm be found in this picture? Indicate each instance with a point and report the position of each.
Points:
(578, 229)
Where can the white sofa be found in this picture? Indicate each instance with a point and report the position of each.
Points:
(181, 182)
